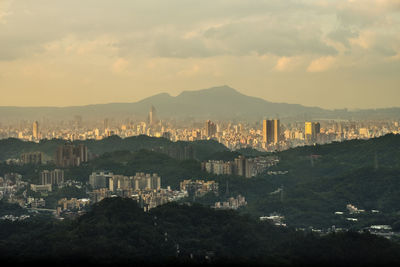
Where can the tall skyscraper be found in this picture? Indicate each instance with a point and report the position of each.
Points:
(317, 128)
(35, 130)
(210, 128)
(271, 131)
(152, 116)
(277, 131)
(312, 129)
(106, 124)
(308, 130)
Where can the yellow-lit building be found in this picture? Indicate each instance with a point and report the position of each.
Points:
(311, 130)
(271, 131)
(35, 130)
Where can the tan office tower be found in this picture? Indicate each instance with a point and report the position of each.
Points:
(35, 130)
(277, 131)
(311, 130)
(308, 130)
(152, 117)
(268, 129)
(271, 131)
(210, 128)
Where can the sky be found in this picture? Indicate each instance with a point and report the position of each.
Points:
(326, 53)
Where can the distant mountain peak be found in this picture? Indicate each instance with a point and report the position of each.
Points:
(223, 89)
(157, 97)
(162, 95)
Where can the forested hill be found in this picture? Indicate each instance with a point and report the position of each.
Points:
(381, 151)
(13, 148)
(318, 181)
(323, 179)
(116, 231)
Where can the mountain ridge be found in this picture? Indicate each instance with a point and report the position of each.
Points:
(220, 102)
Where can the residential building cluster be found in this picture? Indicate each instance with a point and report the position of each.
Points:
(31, 158)
(115, 183)
(10, 184)
(69, 155)
(198, 188)
(53, 177)
(241, 166)
(48, 180)
(36, 203)
(145, 188)
(72, 204)
(13, 218)
(232, 203)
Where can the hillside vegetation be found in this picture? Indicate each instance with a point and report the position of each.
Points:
(116, 231)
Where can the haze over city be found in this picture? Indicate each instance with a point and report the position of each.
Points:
(331, 54)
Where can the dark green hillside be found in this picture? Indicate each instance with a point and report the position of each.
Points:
(116, 231)
(321, 179)
(13, 148)
(365, 173)
(346, 155)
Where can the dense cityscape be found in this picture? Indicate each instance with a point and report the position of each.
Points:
(266, 135)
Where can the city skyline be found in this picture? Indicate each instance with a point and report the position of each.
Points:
(332, 54)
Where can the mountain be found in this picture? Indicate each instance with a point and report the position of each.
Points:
(214, 103)
(221, 102)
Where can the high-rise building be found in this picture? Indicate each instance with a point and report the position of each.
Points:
(308, 130)
(271, 131)
(100, 179)
(106, 124)
(82, 152)
(240, 166)
(142, 181)
(31, 158)
(249, 168)
(210, 128)
(117, 182)
(54, 177)
(35, 130)
(277, 131)
(152, 119)
(69, 155)
(312, 129)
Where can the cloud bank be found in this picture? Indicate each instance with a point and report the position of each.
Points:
(286, 51)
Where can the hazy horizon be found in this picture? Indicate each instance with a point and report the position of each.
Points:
(317, 53)
(175, 95)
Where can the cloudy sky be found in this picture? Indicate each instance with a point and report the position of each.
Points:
(327, 53)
